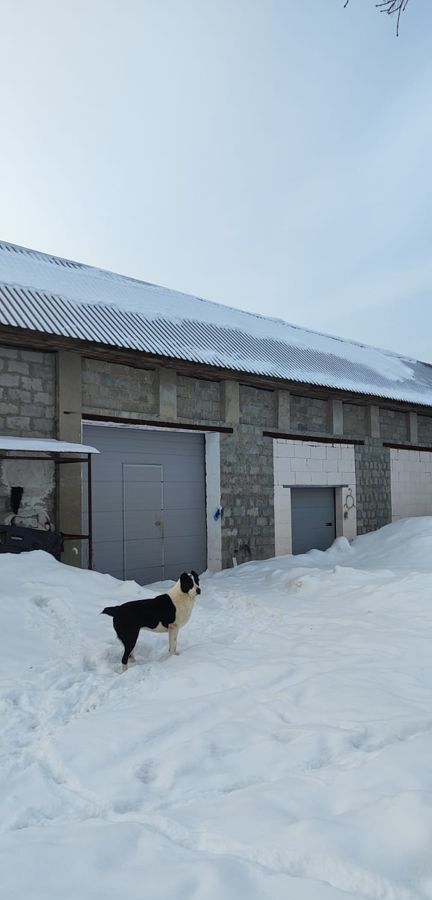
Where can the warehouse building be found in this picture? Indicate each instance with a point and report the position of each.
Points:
(224, 436)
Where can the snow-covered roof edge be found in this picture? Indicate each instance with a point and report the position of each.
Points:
(58, 296)
(42, 445)
(219, 308)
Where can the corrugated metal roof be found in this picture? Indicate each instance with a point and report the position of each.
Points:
(56, 296)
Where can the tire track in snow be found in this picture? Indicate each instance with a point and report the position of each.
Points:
(345, 877)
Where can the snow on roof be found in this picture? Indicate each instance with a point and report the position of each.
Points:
(42, 445)
(58, 296)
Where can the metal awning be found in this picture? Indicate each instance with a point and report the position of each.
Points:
(42, 445)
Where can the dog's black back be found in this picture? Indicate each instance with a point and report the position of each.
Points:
(148, 613)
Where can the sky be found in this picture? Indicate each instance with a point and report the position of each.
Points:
(272, 155)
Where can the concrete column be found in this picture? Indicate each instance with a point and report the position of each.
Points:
(69, 411)
(231, 402)
(336, 416)
(167, 394)
(284, 411)
(374, 421)
(413, 428)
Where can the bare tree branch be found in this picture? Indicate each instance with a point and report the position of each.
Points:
(391, 7)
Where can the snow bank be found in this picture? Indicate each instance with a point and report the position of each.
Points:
(285, 752)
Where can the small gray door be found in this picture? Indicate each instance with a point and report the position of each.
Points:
(143, 546)
(313, 518)
(149, 502)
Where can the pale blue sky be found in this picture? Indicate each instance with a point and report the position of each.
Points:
(274, 155)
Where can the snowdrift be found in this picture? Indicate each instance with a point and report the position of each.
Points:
(285, 753)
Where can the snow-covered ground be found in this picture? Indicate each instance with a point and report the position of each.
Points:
(286, 753)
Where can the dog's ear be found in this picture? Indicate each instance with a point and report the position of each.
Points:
(195, 577)
(186, 582)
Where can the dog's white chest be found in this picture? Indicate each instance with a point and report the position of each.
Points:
(184, 608)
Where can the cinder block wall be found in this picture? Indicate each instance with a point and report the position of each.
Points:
(32, 404)
(394, 425)
(309, 414)
(247, 480)
(354, 420)
(257, 407)
(27, 409)
(198, 400)
(411, 483)
(112, 389)
(373, 484)
(247, 495)
(425, 430)
(27, 392)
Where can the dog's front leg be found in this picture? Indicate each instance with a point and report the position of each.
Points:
(172, 637)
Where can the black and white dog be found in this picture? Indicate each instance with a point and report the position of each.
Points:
(166, 612)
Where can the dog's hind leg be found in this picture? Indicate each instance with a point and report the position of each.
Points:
(172, 638)
(128, 640)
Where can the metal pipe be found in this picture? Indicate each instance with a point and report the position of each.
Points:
(90, 510)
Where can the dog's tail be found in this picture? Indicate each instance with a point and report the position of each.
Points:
(109, 611)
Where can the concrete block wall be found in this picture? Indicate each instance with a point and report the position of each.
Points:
(394, 425)
(27, 409)
(309, 414)
(112, 389)
(424, 430)
(247, 475)
(27, 392)
(31, 404)
(372, 465)
(411, 483)
(354, 419)
(198, 400)
(258, 407)
(247, 495)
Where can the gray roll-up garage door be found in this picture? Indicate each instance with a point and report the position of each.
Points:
(313, 518)
(149, 504)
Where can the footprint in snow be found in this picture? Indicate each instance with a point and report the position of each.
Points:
(40, 601)
(145, 772)
(123, 807)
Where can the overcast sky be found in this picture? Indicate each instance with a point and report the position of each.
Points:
(274, 155)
